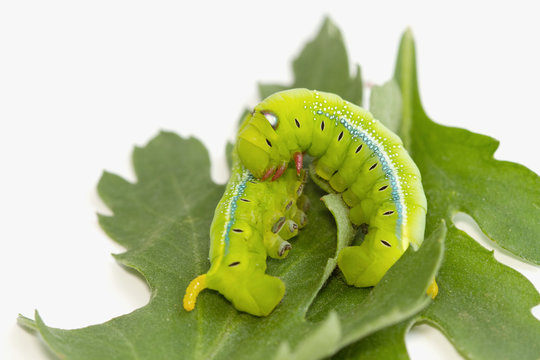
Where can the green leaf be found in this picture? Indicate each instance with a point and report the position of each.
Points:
(386, 344)
(340, 211)
(483, 307)
(323, 64)
(228, 153)
(26, 323)
(385, 105)
(268, 89)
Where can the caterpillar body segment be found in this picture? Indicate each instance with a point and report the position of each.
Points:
(253, 220)
(356, 156)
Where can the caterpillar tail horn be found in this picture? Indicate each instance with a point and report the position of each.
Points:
(194, 288)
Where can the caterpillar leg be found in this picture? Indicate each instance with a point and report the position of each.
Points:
(276, 247)
(297, 214)
(298, 161)
(275, 173)
(300, 218)
(194, 288)
(289, 230)
(285, 228)
(302, 206)
(280, 170)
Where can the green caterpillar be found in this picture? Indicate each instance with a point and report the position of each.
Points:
(252, 220)
(358, 157)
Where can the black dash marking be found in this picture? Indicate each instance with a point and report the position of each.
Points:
(237, 230)
(390, 212)
(279, 224)
(358, 149)
(297, 123)
(383, 187)
(268, 142)
(288, 205)
(284, 248)
(335, 172)
(322, 125)
(340, 136)
(234, 263)
(386, 243)
(373, 166)
(303, 219)
(245, 200)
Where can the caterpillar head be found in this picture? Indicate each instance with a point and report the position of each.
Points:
(269, 137)
(260, 148)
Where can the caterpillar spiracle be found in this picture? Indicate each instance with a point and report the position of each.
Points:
(253, 220)
(356, 156)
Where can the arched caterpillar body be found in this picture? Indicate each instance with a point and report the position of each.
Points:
(358, 157)
(252, 220)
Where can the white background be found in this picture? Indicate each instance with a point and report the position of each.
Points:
(81, 83)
